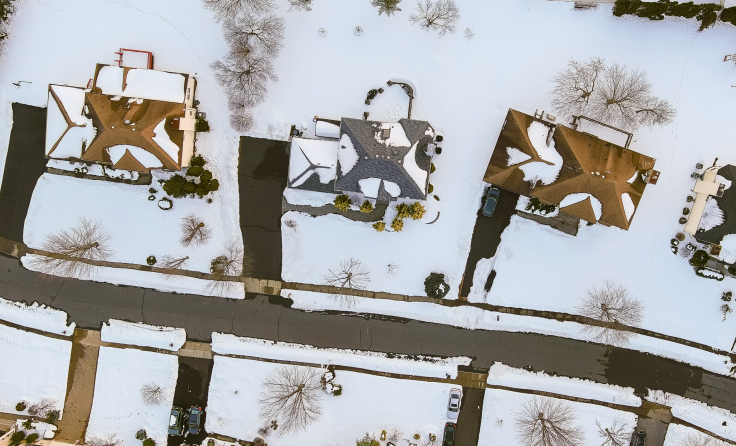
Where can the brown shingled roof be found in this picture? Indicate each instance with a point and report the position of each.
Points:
(129, 162)
(590, 165)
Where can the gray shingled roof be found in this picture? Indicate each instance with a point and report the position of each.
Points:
(376, 160)
(727, 204)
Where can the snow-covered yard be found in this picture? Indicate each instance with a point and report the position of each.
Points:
(34, 368)
(368, 404)
(118, 409)
(500, 409)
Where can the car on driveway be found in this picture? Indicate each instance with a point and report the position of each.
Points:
(448, 438)
(176, 421)
(453, 406)
(490, 200)
(195, 419)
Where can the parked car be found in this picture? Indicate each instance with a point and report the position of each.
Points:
(490, 200)
(453, 406)
(195, 415)
(639, 438)
(176, 421)
(448, 438)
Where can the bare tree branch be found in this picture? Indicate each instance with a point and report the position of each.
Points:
(86, 241)
(241, 120)
(245, 78)
(42, 408)
(194, 231)
(575, 85)
(440, 16)
(173, 262)
(613, 307)
(351, 275)
(699, 439)
(233, 261)
(108, 440)
(257, 34)
(291, 397)
(548, 422)
(615, 435)
(227, 9)
(300, 5)
(152, 394)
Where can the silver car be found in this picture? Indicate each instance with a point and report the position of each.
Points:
(453, 407)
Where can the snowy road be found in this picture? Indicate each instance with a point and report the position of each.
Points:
(91, 303)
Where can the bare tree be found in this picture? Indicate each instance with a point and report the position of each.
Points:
(87, 241)
(616, 435)
(227, 9)
(152, 394)
(108, 440)
(300, 5)
(173, 262)
(388, 6)
(262, 34)
(241, 120)
(575, 85)
(393, 268)
(469, 33)
(548, 422)
(699, 439)
(245, 77)
(351, 275)
(440, 16)
(615, 309)
(42, 408)
(194, 231)
(291, 397)
(624, 99)
(232, 261)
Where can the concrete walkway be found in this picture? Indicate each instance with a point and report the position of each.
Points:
(79, 394)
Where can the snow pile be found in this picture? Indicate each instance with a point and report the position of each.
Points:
(577, 198)
(712, 215)
(629, 207)
(118, 408)
(36, 316)
(503, 375)
(326, 130)
(500, 409)
(122, 332)
(537, 170)
(415, 172)
(420, 366)
(308, 197)
(34, 367)
(161, 138)
(346, 154)
(516, 156)
(148, 159)
(714, 419)
(480, 276)
(368, 404)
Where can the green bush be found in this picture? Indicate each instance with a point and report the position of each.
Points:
(194, 171)
(342, 202)
(17, 437)
(430, 189)
(151, 260)
(179, 187)
(368, 440)
(197, 161)
(706, 14)
(416, 211)
(28, 424)
(31, 438)
(366, 207)
(432, 168)
(141, 434)
(206, 175)
(149, 442)
(435, 285)
(337, 390)
(402, 211)
(397, 225)
(535, 205)
(202, 125)
(728, 15)
(20, 407)
(52, 417)
(152, 190)
(700, 258)
(379, 226)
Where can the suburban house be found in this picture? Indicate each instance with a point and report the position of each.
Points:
(710, 219)
(587, 177)
(128, 118)
(381, 160)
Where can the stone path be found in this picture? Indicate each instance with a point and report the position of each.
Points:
(375, 215)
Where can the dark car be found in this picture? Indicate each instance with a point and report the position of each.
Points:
(195, 419)
(176, 421)
(490, 200)
(638, 438)
(448, 439)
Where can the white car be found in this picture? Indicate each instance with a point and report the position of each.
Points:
(453, 407)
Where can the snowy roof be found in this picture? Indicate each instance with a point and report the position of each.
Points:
(391, 155)
(719, 217)
(139, 83)
(67, 127)
(530, 163)
(312, 158)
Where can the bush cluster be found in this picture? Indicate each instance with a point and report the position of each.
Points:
(366, 207)
(368, 440)
(415, 211)
(699, 259)
(435, 285)
(179, 187)
(535, 205)
(342, 202)
(201, 125)
(706, 14)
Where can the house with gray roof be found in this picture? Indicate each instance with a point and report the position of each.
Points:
(381, 160)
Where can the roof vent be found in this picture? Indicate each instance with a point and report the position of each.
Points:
(387, 133)
(127, 121)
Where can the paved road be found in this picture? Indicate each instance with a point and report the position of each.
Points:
(269, 317)
(262, 175)
(24, 164)
(487, 236)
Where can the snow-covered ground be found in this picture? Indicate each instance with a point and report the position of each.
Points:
(419, 366)
(123, 332)
(677, 434)
(714, 419)
(503, 375)
(475, 318)
(117, 408)
(500, 408)
(34, 368)
(368, 404)
(36, 316)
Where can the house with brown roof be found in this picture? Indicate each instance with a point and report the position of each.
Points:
(131, 118)
(587, 177)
